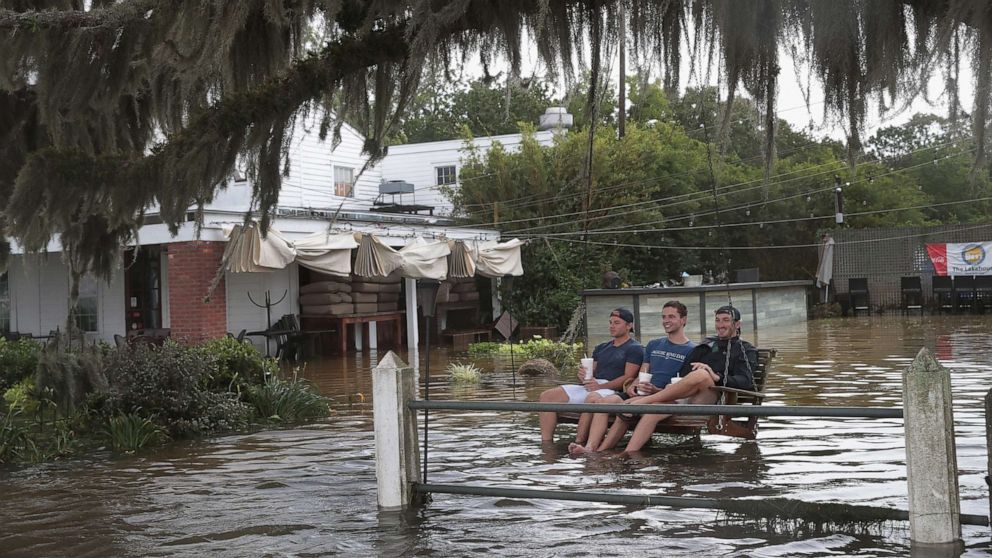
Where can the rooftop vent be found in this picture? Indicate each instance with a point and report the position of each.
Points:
(555, 118)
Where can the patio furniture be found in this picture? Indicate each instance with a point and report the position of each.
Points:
(983, 292)
(860, 296)
(911, 291)
(943, 292)
(964, 293)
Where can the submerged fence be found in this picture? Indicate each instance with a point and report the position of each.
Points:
(931, 461)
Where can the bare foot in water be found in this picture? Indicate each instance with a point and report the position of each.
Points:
(576, 449)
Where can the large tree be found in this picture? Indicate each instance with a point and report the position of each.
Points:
(108, 107)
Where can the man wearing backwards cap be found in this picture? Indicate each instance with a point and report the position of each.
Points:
(706, 366)
(613, 363)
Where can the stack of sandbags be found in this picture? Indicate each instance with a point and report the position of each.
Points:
(327, 296)
(376, 294)
(458, 289)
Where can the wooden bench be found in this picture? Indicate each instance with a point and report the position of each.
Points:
(461, 338)
(741, 427)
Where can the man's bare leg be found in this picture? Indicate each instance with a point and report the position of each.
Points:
(549, 420)
(614, 436)
(585, 419)
(600, 422)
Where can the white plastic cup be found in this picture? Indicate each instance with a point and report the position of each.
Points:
(674, 381)
(643, 378)
(587, 365)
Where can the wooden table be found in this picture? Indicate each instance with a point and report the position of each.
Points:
(461, 338)
(343, 321)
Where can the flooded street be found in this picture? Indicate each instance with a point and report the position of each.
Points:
(310, 491)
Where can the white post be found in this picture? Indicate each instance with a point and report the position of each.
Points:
(397, 453)
(412, 326)
(358, 336)
(931, 458)
(373, 337)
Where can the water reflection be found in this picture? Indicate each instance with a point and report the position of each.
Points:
(311, 491)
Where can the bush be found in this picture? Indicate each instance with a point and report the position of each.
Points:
(14, 440)
(18, 360)
(67, 376)
(22, 398)
(464, 373)
(290, 401)
(563, 355)
(168, 385)
(130, 433)
(239, 365)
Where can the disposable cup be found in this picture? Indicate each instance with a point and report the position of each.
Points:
(643, 378)
(587, 365)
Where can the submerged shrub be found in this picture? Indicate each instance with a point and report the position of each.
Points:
(238, 365)
(464, 373)
(287, 400)
(18, 360)
(168, 385)
(68, 375)
(132, 432)
(21, 397)
(563, 355)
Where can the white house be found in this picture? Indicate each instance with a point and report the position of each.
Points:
(165, 285)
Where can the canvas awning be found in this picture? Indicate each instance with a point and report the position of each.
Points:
(330, 253)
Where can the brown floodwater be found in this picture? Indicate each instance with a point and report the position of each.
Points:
(310, 491)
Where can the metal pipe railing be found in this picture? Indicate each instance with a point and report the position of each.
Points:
(726, 410)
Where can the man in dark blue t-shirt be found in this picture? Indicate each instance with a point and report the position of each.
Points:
(614, 362)
(663, 358)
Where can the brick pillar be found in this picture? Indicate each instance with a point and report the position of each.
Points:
(192, 266)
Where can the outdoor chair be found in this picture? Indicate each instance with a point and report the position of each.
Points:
(120, 341)
(240, 337)
(860, 296)
(943, 292)
(911, 291)
(11, 335)
(964, 293)
(983, 292)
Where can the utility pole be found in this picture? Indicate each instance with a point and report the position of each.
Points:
(622, 120)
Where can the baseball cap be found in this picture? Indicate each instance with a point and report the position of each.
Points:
(734, 313)
(623, 314)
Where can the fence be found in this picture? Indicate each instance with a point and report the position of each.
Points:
(931, 461)
(883, 256)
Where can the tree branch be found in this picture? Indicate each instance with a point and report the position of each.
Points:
(116, 15)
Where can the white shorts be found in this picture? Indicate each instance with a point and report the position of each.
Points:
(578, 394)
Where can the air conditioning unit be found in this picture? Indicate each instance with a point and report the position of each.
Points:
(393, 187)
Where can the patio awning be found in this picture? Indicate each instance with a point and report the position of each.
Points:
(421, 258)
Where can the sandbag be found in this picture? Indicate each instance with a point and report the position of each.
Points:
(389, 297)
(389, 306)
(365, 287)
(466, 297)
(326, 287)
(314, 299)
(364, 297)
(328, 309)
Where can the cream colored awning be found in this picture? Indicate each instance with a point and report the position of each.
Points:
(330, 253)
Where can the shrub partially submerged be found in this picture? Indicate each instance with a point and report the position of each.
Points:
(563, 355)
(287, 400)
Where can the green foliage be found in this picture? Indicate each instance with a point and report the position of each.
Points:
(238, 365)
(132, 432)
(18, 360)
(22, 397)
(562, 355)
(287, 400)
(167, 383)
(442, 108)
(15, 443)
(464, 373)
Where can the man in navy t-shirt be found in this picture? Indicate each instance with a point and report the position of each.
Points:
(614, 362)
(663, 358)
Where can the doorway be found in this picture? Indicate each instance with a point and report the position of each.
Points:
(143, 288)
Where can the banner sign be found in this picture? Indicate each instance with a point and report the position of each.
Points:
(966, 258)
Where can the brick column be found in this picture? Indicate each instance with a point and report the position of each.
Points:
(192, 266)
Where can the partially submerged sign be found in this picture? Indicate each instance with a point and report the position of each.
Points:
(506, 325)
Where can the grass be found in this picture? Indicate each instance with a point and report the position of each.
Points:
(464, 373)
(287, 400)
(130, 433)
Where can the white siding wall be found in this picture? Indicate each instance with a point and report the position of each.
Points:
(39, 296)
(417, 163)
(242, 314)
